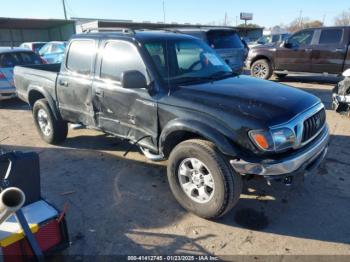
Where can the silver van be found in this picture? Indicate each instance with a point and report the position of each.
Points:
(226, 42)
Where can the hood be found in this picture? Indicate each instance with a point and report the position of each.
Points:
(249, 99)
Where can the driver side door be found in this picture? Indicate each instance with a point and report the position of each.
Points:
(296, 54)
(127, 113)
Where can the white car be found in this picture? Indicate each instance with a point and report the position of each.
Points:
(34, 46)
(9, 58)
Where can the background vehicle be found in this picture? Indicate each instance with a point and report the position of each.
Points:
(34, 46)
(269, 40)
(315, 50)
(226, 42)
(9, 58)
(173, 96)
(53, 52)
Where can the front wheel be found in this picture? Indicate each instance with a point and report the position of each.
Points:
(261, 69)
(52, 130)
(201, 179)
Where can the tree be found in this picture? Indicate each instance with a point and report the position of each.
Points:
(302, 23)
(343, 18)
(250, 25)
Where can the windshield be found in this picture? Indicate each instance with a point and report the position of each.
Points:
(180, 61)
(224, 39)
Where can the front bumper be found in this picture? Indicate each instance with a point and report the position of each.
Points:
(7, 93)
(307, 159)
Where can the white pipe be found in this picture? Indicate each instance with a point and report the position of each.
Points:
(11, 200)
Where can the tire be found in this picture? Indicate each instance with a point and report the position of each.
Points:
(227, 185)
(56, 131)
(261, 69)
(281, 76)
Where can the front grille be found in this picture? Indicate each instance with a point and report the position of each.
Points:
(313, 125)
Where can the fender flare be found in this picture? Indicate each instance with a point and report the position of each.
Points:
(47, 96)
(201, 129)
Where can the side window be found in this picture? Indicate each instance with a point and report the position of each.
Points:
(302, 38)
(188, 54)
(80, 56)
(156, 51)
(119, 57)
(331, 36)
(44, 50)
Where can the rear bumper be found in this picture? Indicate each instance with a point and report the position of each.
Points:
(307, 160)
(7, 93)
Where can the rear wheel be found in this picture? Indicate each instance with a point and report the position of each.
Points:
(261, 69)
(201, 179)
(51, 130)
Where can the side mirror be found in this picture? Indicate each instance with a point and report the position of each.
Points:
(288, 45)
(261, 42)
(133, 79)
(346, 73)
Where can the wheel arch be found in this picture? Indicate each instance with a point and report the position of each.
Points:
(260, 57)
(178, 131)
(35, 93)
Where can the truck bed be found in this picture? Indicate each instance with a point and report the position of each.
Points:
(35, 75)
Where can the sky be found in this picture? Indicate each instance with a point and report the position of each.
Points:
(266, 13)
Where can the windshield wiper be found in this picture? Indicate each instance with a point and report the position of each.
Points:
(216, 76)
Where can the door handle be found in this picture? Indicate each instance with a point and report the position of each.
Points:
(99, 93)
(63, 83)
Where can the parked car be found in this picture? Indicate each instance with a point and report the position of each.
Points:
(34, 46)
(314, 50)
(270, 40)
(9, 58)
(226, 42)
(53, 52)
(175, 98)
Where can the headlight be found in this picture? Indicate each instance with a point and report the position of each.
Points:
(273, 140)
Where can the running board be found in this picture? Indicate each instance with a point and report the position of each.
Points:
(151, 156)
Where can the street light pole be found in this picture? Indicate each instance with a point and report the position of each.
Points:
(64, 9)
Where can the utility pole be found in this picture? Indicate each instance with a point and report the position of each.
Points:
(64, 9)
(164, 11)
(225, 19)
(301, 18)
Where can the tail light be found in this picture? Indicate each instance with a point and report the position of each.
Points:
(2, 76)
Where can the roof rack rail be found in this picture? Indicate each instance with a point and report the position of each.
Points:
(124, 30)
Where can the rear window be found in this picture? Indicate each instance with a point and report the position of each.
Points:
(224, 39)
(19, 58)
(80, 55)
(331, 36)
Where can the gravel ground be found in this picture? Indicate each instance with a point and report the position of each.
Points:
(123, 205)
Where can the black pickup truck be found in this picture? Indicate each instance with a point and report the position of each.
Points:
(314, 50)
(175, 98)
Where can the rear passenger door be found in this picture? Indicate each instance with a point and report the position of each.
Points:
(128, 113)
(74, 82)
(329, 53)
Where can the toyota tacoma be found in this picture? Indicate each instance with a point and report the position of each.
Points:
(175, 98)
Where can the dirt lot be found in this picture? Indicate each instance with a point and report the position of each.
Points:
(123, 205)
